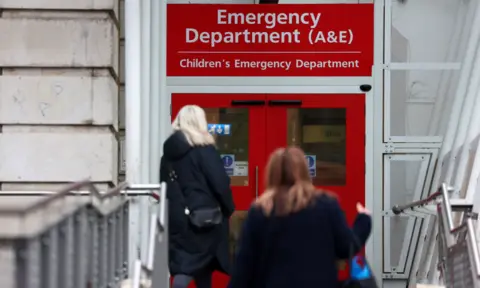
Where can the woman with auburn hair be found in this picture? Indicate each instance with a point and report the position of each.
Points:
(294, 233)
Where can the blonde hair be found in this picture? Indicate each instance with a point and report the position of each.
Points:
(191, 120)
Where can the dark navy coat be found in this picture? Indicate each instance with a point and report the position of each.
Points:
(204, 184)
(299, 250)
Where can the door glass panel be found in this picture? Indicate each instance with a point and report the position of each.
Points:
(233, 145)
(230, 129)
(321, 133)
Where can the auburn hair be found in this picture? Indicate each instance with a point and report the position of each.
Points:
(289, 187)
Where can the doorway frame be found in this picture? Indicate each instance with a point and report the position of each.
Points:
(294, 85)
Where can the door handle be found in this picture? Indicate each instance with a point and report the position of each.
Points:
(248, 102)
(284, 102)
(256, 182)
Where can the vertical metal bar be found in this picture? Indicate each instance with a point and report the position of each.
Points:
(50, 258)
(103, 250)
(19, 265)
(66, 254)
(475, 254)
(387, 250)
(81, 237)
(126, 241)
(28, 263)
(112, 243)
(447, 207)
(151, 241)
(119, 245)
(160, 275)
(137, 271)
(162, 214)
(94, 266)
(376, 242)
(62, 255)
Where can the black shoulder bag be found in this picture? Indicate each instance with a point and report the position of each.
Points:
(201, 218)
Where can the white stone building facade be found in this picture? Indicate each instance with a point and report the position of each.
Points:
(59, 92)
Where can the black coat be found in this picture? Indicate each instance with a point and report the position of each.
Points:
(204, 184)
(299, 250)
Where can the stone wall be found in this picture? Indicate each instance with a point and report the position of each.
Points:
(59, 92)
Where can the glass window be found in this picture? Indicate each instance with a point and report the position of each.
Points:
(321, 133)
(230, 129)
(232, 143)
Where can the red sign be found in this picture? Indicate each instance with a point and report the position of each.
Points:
(269, 40)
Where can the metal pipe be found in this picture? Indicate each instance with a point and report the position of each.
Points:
(71, 193)
(398, 209)
(163, 205)
(137, 274)
(136, 187)
(60, 194)
(475, 250)
(151, 242)
(447, 207)
(114, 191)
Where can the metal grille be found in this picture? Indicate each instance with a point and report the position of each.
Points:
(70, 239)
(458, 272)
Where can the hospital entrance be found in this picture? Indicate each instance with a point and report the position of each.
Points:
(330, 128)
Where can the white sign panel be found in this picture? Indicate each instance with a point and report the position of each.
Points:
(241, 168)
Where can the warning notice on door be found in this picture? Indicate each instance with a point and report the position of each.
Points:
(269, 40)
(241, 168)
(228, 163)
(312, 164)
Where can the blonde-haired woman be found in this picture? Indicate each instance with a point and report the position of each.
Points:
(200, 201)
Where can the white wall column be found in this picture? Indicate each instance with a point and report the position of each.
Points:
(133, 117)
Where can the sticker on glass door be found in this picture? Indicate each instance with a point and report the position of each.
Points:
(312, 164)
(219, 129)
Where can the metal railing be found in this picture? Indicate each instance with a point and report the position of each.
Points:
(459, 257)
(76, 237)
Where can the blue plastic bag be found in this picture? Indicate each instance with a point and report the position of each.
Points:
(359, 271)
(361, 276)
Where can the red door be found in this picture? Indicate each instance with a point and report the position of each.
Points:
(330, 128)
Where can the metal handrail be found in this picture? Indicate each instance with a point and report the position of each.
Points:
(157, 226)
(74, 190)
(398, 209)
(446, 210)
